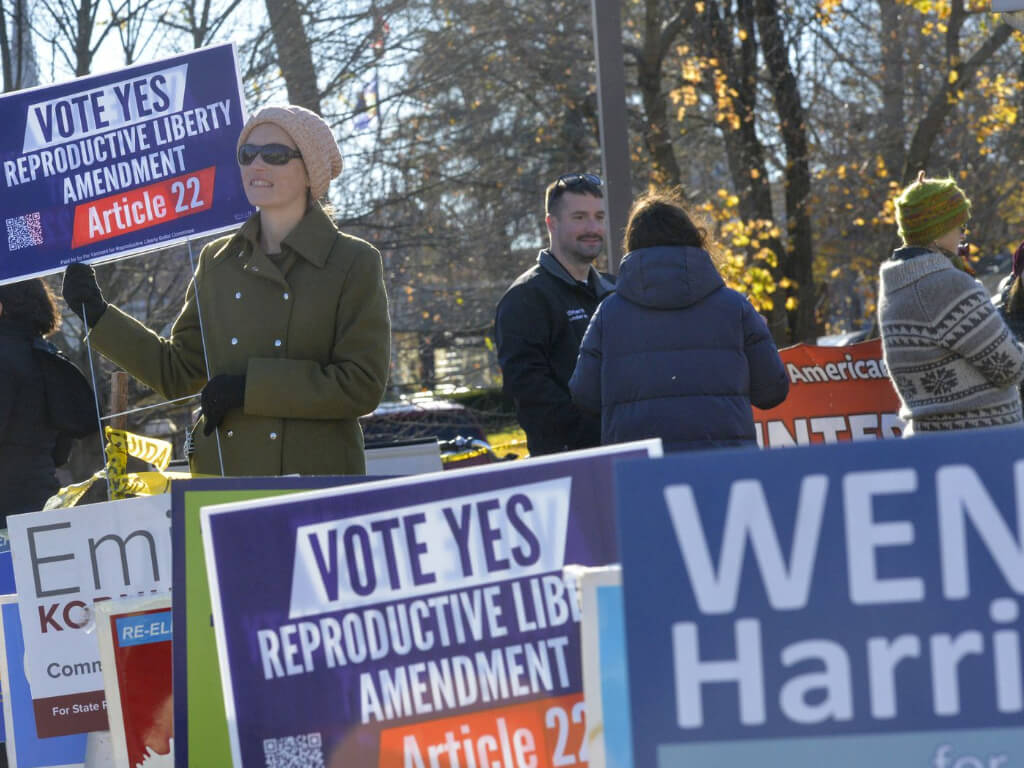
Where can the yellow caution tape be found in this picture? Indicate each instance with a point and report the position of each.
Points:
(69, 495)
(123, 484)
(156, 483)
(120, 445)
(503, 447)
(455, 458)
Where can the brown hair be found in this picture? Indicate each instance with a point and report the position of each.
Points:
(660, 218)
(577, 183)
(31, 303)
(1015, 297)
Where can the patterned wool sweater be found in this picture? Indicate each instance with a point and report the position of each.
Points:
(953, 361)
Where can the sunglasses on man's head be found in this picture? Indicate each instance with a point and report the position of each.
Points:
(570, 180)
(273, 154)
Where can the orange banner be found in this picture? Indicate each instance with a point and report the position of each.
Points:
(835, 394)
(539, 734)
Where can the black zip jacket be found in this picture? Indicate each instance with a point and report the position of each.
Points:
(538, 326)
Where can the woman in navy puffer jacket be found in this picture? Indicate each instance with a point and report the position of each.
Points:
(674, 353)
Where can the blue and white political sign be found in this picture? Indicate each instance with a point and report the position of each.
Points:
(605, 677)
(412, 620)
(120, 163)
(24, 747)
(844, 605)
(6, 565)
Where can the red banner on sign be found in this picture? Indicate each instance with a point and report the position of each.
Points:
(144, 207)
(135, 646)
(836, 394)
(542, 734)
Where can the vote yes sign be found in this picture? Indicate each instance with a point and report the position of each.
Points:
(119, 163)
(412, 623)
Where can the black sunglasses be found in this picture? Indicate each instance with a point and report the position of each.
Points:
(273, 154)
(570, 180)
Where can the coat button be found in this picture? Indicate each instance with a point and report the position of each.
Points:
(230, 433)
(285, 296)
(238, 294)
(277, 342)
(234, 341)
(273, 435)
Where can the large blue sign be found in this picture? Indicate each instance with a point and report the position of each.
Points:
(198, 701)
(845, 605)
(120, 163)
(398, 622)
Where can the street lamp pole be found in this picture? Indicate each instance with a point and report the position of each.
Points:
(611, 107)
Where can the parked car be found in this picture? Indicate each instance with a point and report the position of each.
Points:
(417, 418)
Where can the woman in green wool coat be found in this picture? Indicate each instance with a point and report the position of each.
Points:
(294, 312)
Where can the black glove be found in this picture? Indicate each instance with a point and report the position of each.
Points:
(220, 395)
(80, 289)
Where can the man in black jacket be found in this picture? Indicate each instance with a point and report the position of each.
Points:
(541, 319)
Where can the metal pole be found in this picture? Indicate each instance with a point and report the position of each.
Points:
(611, 106)
(96, 396)
(202, 336)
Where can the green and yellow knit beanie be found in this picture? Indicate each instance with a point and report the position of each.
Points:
(929, 208)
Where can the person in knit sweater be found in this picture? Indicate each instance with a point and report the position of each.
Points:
(952, 359)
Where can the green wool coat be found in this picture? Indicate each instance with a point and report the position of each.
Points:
(311, 337)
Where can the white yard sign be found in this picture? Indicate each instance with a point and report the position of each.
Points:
(64, 561)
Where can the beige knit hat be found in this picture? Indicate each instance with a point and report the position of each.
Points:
(311, 135)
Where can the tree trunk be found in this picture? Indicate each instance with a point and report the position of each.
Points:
(293, 53)
(744, 150)
(5, 50)
(83, 36)
(20, 69)
(792, 121)
(944, 99)
(893, 84)
(650, 61)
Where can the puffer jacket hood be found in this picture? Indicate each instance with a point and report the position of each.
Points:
(667, 276)
(675, 353)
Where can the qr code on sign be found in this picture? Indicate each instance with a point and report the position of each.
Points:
(24, 231)
(305, 751)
